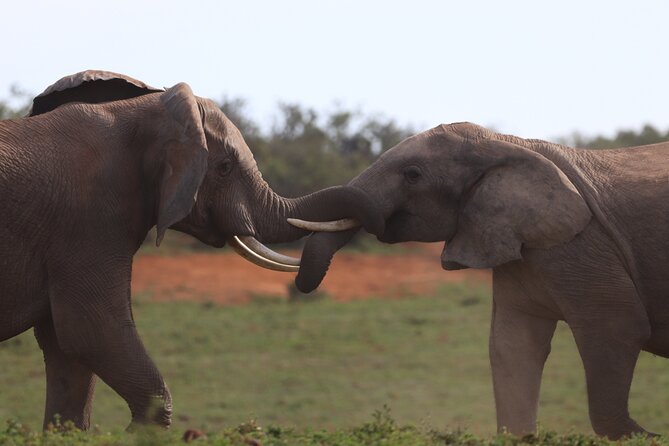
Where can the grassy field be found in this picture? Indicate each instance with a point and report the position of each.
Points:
(328, 365)
(382, 430)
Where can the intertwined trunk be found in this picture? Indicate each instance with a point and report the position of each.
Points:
(328, 204)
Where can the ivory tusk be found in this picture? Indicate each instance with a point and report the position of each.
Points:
(262, 250)
(259, 254)
(325, 226)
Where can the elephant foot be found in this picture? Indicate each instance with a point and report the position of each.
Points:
(618, 429)
(156, 412)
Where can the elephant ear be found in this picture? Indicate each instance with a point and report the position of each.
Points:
(522, 199)
(91, 86)
(183, 160)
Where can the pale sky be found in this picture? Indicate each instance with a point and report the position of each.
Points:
(531, 68)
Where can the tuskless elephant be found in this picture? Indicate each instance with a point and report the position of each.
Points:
(101, 160)
(574, 235)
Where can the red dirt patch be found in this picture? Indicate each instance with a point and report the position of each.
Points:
(228, 279)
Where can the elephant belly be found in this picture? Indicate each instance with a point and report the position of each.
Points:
(23, 292)
(658, 344)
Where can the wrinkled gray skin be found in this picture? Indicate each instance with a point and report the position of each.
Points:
(573, 235)
(81, 185)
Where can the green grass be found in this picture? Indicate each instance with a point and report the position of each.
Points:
(381, 430)
(329, 365)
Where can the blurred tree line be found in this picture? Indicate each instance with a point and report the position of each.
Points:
(9, 108)
(305, 150)
(623, 138)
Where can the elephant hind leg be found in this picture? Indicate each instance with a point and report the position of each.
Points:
(70, 385)
(609, 353)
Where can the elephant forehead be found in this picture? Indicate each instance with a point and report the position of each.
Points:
(221, 129)
(414, 146)
(235, 141)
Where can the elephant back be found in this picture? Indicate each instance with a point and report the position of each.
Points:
(90, 86)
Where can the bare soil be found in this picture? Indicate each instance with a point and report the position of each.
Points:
(226, 278)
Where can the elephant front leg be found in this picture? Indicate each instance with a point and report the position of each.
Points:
(69, 384)
(114, 351)
(94, 327)
(519, 346)
(127, 368)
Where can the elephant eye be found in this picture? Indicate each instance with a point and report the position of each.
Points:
(225, 167)
(412, 174)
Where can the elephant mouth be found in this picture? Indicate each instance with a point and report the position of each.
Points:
(255, 252)
(395, 227)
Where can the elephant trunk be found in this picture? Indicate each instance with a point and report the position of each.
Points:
(272, 224)
(329, 204)
(322, 246)
(317, 255)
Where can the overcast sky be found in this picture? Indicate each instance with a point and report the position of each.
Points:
(530, 68)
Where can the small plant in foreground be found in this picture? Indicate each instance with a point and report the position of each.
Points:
(383, 430)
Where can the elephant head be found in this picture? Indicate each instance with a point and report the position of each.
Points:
(205, 179)
(486, 195)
